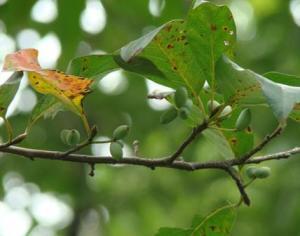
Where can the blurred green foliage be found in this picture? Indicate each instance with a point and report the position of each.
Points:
(139, 200)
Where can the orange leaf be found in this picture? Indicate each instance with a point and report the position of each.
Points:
(69, 89)
(23, 60)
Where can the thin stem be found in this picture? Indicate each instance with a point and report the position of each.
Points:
(9, 129)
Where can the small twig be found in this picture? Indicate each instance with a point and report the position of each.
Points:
(16, 140)
(239, 184)
(260, 146)
(196, 131)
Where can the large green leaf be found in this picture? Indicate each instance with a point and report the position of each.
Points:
(8, 91)
(237, 85)
(211, 32)
(47, 106)
(168, 49)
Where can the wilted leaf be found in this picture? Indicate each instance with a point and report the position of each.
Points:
(23, 60)
(8, 91)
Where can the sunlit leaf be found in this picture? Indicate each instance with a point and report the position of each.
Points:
(8, 91)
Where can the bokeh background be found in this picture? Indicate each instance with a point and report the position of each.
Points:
(47, 198)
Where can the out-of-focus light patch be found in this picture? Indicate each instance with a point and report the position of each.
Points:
(104, 214)
(17, 197)
(27, 100)
(49, 50)
(243, 13)
(28, 38)
(49, 211)
(266, 7)
(4, 75)
(295, 11)
(156, 7)
(103, 149)
(90, 224)
(113, 83)
(12, 180)
(2, 2)
(42, 231)
(83, 48)
(13, 107)
(156, 104)
(44, 11)
(7, 45)
(13, 222)
(98, 52)
(93, 17)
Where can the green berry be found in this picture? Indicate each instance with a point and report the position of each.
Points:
(258, 172)
(263, 172)
(70, 137)
(250, 172)
(181, 97)
(244, 119)
(120, 132)
(212, 105)
(183, 113)
(116, 150)
(168, 116)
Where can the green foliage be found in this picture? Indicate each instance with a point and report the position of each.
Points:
(218, 223)
(120, 132)
(116, 150)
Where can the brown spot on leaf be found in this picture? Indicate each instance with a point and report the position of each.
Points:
(213, 27)
(233, 141)
(170, 46)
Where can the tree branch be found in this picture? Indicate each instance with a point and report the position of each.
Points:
(196, 131)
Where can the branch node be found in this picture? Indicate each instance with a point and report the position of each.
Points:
(92, 171)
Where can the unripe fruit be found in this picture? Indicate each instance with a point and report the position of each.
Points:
(258, 172)
(181, 97)
(226, 111)
(212, 105)
(183, 113)
(244, 119)
(263, 172)
(168, 116)
(120, 132)
(250, 172)
(116, 150)
(70, 137)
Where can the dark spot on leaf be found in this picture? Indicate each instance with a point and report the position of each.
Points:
(186, 43)
(175, 68)
(225, 28)
(249, 130)
(168, 28)
(233, 141)
(213, 27)
(212, 227)
(183, 37)
(170, 46)
(36, 83)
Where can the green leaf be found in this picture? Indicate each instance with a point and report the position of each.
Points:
(47, 106)
(218, 223)
(211, 32)
(174, 232)
(217, 138)
(238, 85)
(8, 91)
(168, 49)
(93, 65)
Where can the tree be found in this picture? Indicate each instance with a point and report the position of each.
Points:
(212, 95)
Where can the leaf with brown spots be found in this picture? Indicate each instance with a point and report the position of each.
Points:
(68, 89)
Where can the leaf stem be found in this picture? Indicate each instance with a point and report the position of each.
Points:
(9, 129)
